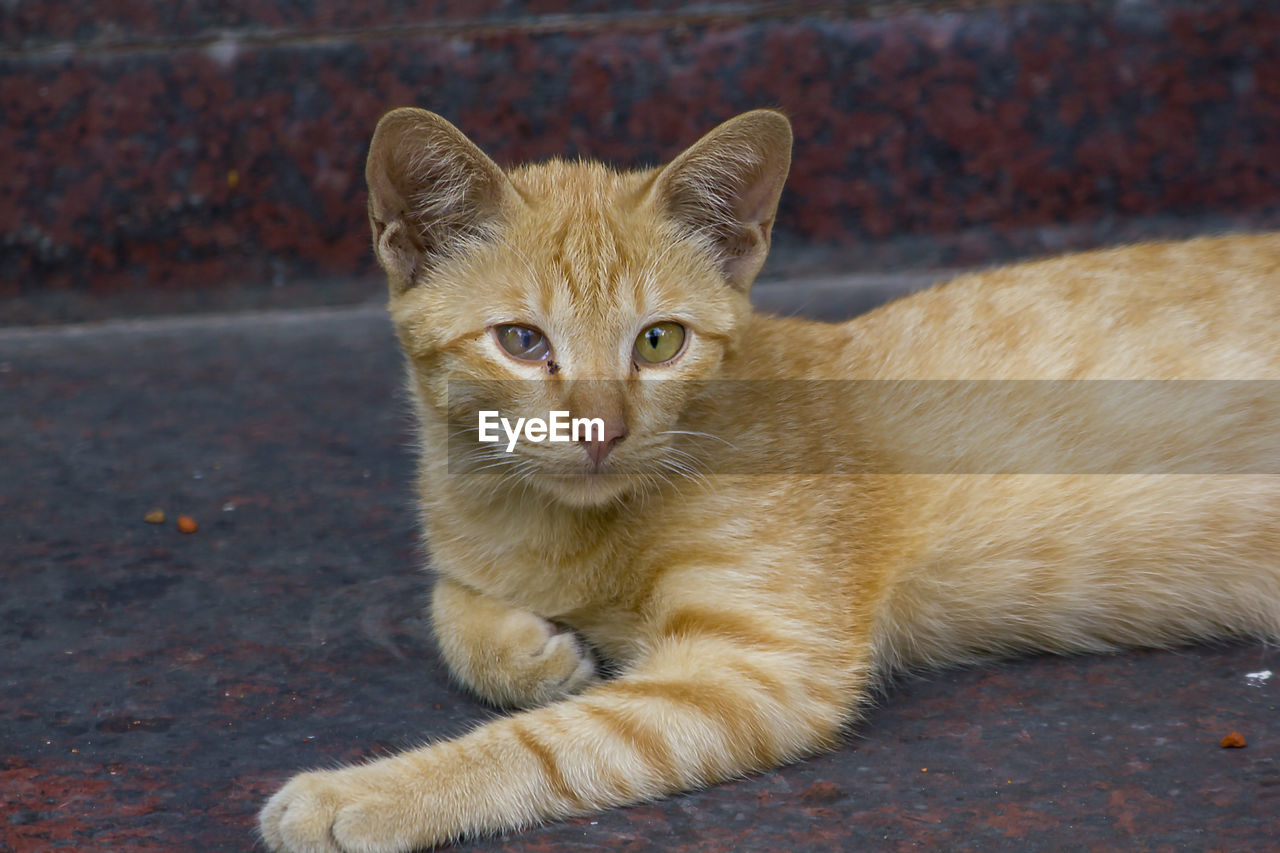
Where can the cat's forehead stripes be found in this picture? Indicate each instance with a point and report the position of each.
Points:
(588, 235)
(600, 253)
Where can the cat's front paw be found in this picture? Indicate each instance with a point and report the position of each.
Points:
(507, 655)
(336, 811)
(531, 663)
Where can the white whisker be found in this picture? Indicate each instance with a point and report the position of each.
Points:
(696, 434)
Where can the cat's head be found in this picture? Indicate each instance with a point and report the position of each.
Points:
(571, 287)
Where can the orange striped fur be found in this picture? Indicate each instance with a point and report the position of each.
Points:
(750, 613)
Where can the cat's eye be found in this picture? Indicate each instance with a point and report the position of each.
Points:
(659, 343)
(523, 342)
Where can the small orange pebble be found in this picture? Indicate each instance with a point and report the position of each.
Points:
(156, 516)
(187, 524)
(1235, 740)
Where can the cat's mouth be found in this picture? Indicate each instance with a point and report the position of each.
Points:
(596, 471)
(593, 482)
(592, 486)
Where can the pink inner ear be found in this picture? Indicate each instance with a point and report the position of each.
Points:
(755, 199)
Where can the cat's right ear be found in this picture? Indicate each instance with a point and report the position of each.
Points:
(431, 192)
(724, 190)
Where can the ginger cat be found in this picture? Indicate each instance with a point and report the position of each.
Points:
(750, 561)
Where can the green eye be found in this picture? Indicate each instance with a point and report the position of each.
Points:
(522, 342)
(660, 343)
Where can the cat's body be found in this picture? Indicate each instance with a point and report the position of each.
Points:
(750, 611)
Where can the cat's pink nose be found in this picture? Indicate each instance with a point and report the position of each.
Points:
(598, 448)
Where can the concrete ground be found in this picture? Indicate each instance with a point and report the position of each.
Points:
(156, 686)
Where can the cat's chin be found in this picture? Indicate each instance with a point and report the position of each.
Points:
(589, 490)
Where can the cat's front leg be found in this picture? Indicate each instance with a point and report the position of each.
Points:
(702, 707)
(507, 656)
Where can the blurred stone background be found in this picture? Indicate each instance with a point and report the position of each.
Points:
(165, 156)
(161, 157)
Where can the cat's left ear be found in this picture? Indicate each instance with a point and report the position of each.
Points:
(726, 187)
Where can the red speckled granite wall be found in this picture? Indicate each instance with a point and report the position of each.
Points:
(177, 146)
